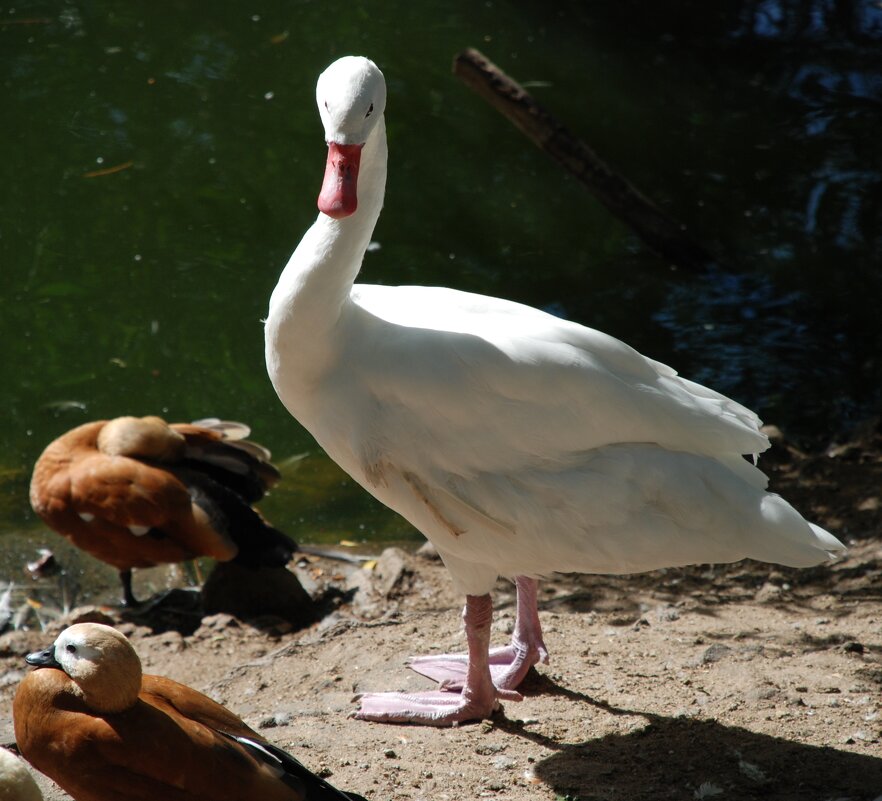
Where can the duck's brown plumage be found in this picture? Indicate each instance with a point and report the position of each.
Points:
(137, 492)
(171, 742)
(154, 750)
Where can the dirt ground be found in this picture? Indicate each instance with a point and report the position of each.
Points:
(736, 682)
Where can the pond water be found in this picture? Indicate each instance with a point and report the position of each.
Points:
(161, 161)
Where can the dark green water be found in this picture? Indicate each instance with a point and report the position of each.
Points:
(141, 290)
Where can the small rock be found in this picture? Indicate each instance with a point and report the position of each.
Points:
(490, 748)
(376, 589)
(666, 614)
(390, 570)
(715, 653)
(504, 763)
(768, 592)
(220, 621)
(758, 694)
(853, 648)
(389, 753)
(173, 641)
(279, 719)
(128, 628)
(249, 593)
(428, 551)
(748, 652)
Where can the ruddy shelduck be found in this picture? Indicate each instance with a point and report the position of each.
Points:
(138, 492)
(91, 721)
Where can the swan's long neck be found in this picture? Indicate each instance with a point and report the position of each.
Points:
(314, 287)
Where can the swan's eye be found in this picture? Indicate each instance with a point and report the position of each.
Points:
(370, 111)
(70, 648)
(326, 106)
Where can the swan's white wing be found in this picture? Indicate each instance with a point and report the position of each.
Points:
(623, 509)
(490, 385)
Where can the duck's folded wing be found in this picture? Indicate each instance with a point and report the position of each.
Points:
(168, 694)
(178, 699)
(124, 491)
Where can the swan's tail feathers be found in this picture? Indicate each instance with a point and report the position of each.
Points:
(784, 537)
(828, 542)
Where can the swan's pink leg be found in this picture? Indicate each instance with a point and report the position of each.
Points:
(478, 699)
(509, 664)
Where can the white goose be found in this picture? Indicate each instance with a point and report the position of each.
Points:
(518, 443)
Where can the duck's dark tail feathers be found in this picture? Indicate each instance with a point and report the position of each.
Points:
(259, 544)
(219, 449)
(293, 772)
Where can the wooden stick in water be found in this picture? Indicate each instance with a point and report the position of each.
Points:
(660, 233)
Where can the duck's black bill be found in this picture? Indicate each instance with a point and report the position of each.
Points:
(43, 658)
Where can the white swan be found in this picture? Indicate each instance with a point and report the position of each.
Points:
(518, 443)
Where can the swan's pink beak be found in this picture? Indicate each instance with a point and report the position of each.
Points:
(339, 195)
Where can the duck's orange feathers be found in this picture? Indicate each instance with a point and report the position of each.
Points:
(167, 746)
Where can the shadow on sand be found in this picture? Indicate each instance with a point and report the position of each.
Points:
(681, 758)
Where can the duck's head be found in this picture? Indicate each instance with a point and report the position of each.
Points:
(101, 663)
(351, 97)
(144, 437)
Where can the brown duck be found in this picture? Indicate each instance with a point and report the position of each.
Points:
(137, 492)
(91, 721)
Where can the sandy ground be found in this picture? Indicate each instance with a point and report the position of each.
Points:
(731, 682)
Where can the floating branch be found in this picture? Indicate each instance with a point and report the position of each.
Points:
(660, 233)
